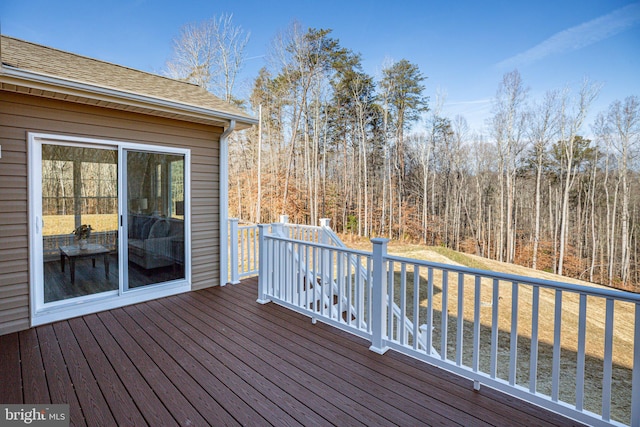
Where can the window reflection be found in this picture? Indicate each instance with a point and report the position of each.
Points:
(155, 218)
(79, 187)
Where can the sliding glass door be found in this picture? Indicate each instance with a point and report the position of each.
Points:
(109, 224)
(79, 221)
(155, 218)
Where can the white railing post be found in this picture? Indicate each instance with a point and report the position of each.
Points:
(284, 219)
(235, 275)
(277, 228)
(324, 225)
(325, 240)
(379, 297)
(276, 259)
(263, 276)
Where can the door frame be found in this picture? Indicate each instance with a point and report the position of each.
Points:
(41, 312)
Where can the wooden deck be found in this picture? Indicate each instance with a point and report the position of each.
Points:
(216, 357)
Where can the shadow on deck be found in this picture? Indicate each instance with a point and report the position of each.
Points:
(216, 357)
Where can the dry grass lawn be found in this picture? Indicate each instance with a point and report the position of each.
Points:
(65, 224)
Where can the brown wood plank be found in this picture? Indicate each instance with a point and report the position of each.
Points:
(124, 363)
(11, 384)
(440, 393)
(322, 364)
(179, 407)
(34, 380)
(293, 379)
(219, 379)
(115, 393)
(235, 370)
(96, 411)
(444, 387)
(182, 369)
(217, 357)
(510, 408)
(245, 404)
(487, 403)
(328, 380)
(60, 384)
(244, 364)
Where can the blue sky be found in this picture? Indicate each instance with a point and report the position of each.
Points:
(463, 47)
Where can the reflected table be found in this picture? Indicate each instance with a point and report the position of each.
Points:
(73, 252)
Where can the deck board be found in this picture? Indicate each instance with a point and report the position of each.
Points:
(406, 383)
(366, 372)
(164, 377)
(216, 357)
(219, 380)
(114, 391)
(409, 376)
(58, 379)
(146, 400)
(199, 386)
(86, 388)
(219, 356)
(291, 379)
(34, 380)
(362, 395)
(10, 369)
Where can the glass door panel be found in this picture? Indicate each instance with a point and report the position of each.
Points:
(79, 191)
(155, 218)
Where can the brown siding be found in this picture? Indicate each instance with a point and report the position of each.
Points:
(20, 114)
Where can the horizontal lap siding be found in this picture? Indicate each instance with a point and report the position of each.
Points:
(20, 114)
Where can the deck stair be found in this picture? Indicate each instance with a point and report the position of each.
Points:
(319, 289)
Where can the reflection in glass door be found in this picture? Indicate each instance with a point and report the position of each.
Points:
(155, 218)
(80, 221)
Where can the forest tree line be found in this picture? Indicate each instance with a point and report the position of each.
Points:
(541, 187)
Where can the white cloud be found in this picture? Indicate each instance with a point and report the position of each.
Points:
(580, 36)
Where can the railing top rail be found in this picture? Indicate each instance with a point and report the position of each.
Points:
(571, 287)
(320, 245)
(245, 227)
(334, 238)
(306, 226)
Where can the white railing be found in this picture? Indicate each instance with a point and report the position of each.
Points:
(244, 243)
(317, 279)
(243, 250)
(547, 342)
(323, 234)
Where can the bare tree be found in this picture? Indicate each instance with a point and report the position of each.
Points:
(572, 116)
(508, 126)
(542, 129)
(425, 149)
(301, 57)
(333, 144)
(623, 127)
(210, 54)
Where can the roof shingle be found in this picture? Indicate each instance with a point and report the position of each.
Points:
(58, 64)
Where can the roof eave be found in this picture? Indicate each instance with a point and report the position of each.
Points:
(32, 80)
